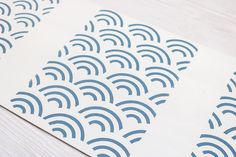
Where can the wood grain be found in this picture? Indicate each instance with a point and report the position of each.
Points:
(209, 22)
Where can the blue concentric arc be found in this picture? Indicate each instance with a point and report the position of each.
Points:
(98, 89)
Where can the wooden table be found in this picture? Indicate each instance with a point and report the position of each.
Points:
(209, 22)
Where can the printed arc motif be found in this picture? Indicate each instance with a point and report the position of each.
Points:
(111, 78)
(18, 17)
(220, 139)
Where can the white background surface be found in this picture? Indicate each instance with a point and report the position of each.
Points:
(210, 23)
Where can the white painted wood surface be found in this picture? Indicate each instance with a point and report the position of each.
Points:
(209, 22)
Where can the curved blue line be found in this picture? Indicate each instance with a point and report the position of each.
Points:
(135, 140)
(21, 3)
(37, 79)
(160, 102)
(109, 11)
(226, 104)
(230, 130)
(177, 45)
(81, 45)
(129, 82)
(92, 26)
(110, 39)
(104, 117)
(139, 34)
(139, 120)
(159, 95)
(48, 8)
(193, 155)
(66, 67)
(221, 140)
(229, 88)
(62, 87)
(117, 61)
(125, 87)
(86, 68)
(56, 69)
(29, 103)
(20, 107)
(8, 43)
(63, 132)
(160, 74)
(87, 62)
(96, 89)
(53, 75)
(181, 51)
(91, 94)
(60, 94)
(93, 39)
(176, 40)
(26, 24)
(229, 111)
(227, 98)
(2, 28)
(137, 103)
(182, 62)
(125, 52)
(8, 24)
(142, 30)
(167, 70)
(119, 56)
(37, 5)
(149, 56)
(104, 109)
(103, 128)
(83, 40)
(158, 48)
(73, 132)
(103, 19)
(3, 11)
(139, 111)
(102, 155)
(105, 15)
(40, 106)
(91, 57)
(211, 124)
(112, 141)
(38, 19)
(210, 152)
(153, 52)
(132, 76)
(217, 119)
(82, 137)
(164, 85)
(47, 12)
(101, 84)
(59, 102)
(142, 25)
(117, 31)
(134, 132)
(114, 151)
(19, 33)
(214, 146)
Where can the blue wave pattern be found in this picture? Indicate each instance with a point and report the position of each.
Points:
(110, 79)
(18, 17)
(220, 141)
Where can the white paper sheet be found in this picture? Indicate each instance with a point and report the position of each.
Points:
(111, 85)
(19, 17)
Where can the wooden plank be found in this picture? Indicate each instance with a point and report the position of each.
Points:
(211, 23)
